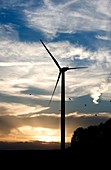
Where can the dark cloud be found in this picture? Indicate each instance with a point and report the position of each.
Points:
(7, 123)
(3, 110)
(23, 100)
(73, 122)
(35, 91)
(78, 105)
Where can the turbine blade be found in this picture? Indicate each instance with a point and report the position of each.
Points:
(51, 55)
(76, 68)
(55, 87)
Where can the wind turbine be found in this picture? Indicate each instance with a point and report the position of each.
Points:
(62, 71)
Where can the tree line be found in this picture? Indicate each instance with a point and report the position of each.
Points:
(96, 136)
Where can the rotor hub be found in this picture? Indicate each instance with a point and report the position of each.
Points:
(64, 69)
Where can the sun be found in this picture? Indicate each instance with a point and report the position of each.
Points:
(49, 138)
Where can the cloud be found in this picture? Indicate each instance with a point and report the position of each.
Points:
(69, 17)
(96, 92)
(103, 37)
(8, 31)
(18, 109)
(16, 3)
(40, 133)
(14, 64)
(24, 71)
(45, 126)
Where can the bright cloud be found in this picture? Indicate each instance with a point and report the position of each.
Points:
(18, 109)
(80, 15)
(41, 134)
(98, 91)
(103, 37)
(31, 67)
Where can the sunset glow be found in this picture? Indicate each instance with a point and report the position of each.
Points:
(78, 34)
(40, 134)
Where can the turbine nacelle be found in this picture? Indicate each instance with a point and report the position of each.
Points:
(64, 69)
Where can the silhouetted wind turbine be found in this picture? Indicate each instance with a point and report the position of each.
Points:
(62, 74)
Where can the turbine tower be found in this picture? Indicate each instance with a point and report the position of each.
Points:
(62, 71)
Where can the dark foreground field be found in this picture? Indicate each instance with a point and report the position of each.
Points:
(78, 158)
(81, 158)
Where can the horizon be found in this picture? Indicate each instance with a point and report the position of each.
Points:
(31, 145)
(78, 34)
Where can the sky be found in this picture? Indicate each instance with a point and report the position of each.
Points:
(77, 33)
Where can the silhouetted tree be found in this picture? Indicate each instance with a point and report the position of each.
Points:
(92, 136)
